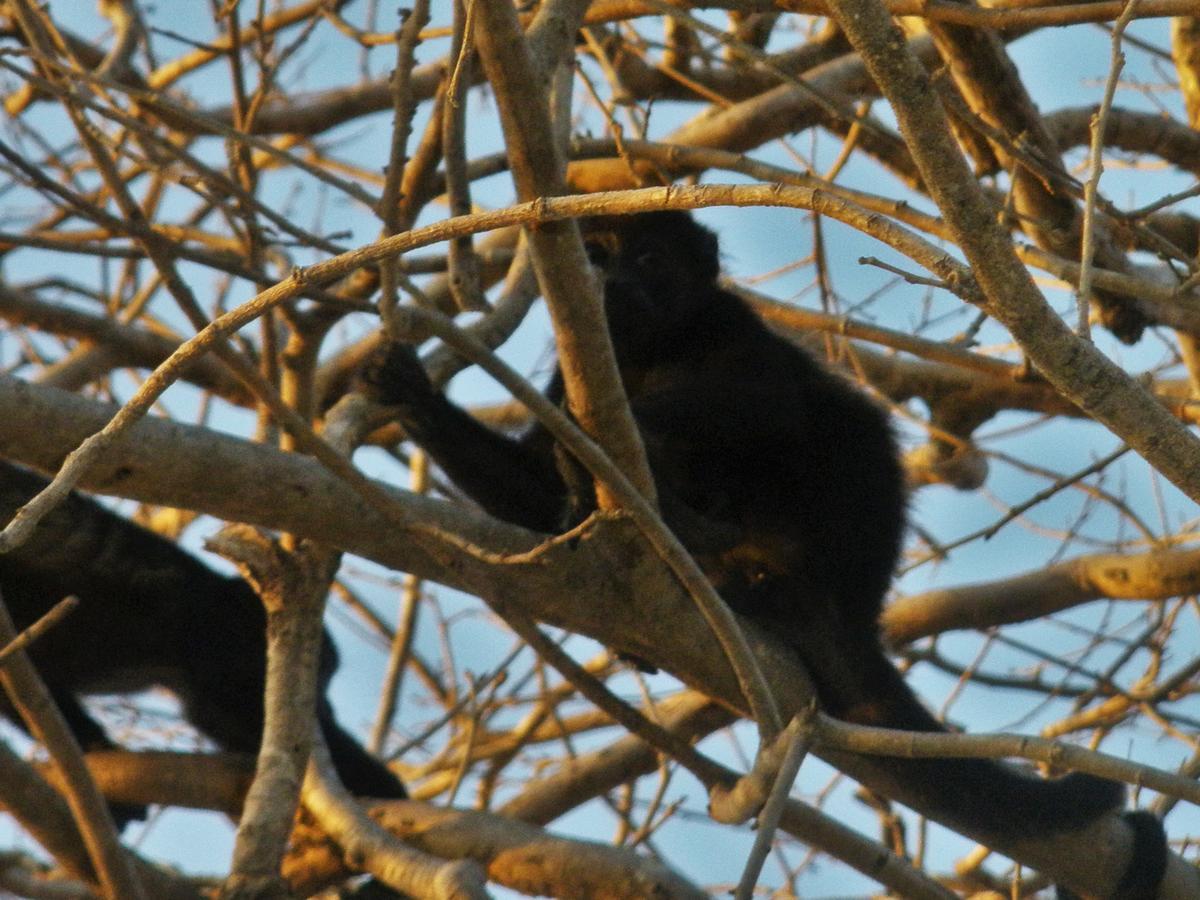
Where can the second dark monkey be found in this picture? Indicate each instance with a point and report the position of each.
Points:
(152, 614)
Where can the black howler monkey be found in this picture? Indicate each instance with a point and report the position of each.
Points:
(152, 614)
(794, 468)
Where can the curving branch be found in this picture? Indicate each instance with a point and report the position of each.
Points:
(1156, 575)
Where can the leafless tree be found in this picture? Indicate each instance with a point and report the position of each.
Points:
(211, 212)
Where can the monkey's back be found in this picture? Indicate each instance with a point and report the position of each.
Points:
(749, 431)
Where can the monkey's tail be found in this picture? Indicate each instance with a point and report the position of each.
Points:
(981, 794)
(857, 683)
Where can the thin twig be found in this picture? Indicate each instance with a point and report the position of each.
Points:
(25, 639)
(1091, 187)
(798, 735)
(410, 604)
(402, 113)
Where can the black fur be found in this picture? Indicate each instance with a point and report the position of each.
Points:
(794, 471)
(1143, 878)
(152, 614)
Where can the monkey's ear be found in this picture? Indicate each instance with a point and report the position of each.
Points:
(710, 254)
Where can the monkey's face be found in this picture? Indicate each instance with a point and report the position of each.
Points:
(656, 269)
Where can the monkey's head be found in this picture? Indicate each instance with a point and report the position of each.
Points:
(657, 269)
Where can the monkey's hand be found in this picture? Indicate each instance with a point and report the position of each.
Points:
(394, 376)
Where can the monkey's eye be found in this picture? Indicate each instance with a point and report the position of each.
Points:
(648, 259)
(756, 575)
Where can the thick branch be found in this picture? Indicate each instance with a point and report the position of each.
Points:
(588, 585)
(585, 351)
(292, 585)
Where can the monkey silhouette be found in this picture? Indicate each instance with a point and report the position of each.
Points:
(784, 482)
(151, 614)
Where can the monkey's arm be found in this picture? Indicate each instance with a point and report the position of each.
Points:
(514, 480)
